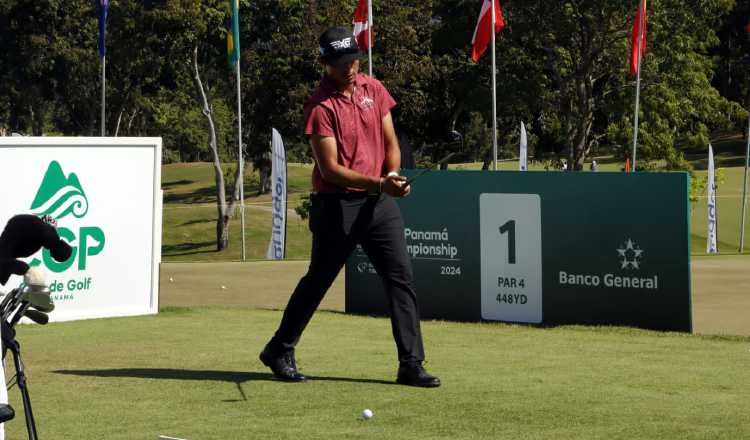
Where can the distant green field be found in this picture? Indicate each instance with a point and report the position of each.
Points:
(190, 209)
(190, 212)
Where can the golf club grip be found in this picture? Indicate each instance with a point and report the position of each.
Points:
(40, 318)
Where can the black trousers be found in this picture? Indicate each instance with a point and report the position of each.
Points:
(338, 223)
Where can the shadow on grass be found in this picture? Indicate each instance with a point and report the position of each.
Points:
(210, 375)
(202, 195)
(721, 162)
(167, 185)
(207, 194)
(196, 221)
(173, 250)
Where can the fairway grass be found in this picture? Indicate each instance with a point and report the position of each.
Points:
(193, 373)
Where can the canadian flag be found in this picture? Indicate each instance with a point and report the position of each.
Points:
(361, 25)
(482, 35)
(639, 37)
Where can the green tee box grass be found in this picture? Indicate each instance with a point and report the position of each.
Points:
(194, 374)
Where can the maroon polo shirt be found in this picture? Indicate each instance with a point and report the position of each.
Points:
(356, 123)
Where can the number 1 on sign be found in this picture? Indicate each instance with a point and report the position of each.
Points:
(512, 282)
(510, 228)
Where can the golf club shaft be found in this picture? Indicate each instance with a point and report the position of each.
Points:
(426, 170)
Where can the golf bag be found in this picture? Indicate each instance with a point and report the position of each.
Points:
(23, 236)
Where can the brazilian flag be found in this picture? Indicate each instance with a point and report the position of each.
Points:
(233, 34)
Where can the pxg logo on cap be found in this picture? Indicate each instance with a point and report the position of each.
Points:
(338, 46)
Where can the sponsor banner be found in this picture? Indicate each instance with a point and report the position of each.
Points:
(523, 150)
(105, 195)
(276, 246)
(543, 248)
(711, 247)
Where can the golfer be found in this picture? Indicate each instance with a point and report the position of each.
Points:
(355, 183)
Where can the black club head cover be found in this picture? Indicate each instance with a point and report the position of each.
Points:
(22, 237)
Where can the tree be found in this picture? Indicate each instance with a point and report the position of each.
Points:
(733, 56)
(680, 108)
(563, 65)
(225, 211)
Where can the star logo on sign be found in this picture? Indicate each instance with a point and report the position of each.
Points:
(631, 255)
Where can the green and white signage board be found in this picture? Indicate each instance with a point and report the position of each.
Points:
(543, 248)
(105, 194)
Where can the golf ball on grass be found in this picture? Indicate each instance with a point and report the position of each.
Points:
(367, 414)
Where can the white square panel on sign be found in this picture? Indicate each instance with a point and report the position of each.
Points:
(510, 227)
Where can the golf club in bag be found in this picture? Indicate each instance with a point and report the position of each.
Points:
(23, 236)
(32, 301)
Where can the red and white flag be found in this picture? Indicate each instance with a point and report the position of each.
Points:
(639, 37)
(482, 35)
(362, 25)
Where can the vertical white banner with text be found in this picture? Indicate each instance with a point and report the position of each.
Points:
(711, 246)
(276, 246)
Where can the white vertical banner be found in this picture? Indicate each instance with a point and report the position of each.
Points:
(276, 246)
(523, 150)
(711, 247)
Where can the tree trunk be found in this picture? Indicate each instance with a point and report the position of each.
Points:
(265, 179)
(33, 120)
(119, 120)
(222, 233)
(222, 217)
(580, 131)
(131, 119)
(225, 211)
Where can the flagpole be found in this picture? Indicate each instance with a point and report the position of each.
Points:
(104, 86)
(641, 12)
(637, 102)
(242, 162)
(744, 191)
(494, 92)
(369, 35)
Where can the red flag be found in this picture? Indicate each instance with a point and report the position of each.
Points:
(362, 25)
(639, 44)
(482, 35)
(748, 26)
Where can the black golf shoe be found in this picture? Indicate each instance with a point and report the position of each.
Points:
(414, 374)
(283, 366)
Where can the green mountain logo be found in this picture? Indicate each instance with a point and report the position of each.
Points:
(59, 196)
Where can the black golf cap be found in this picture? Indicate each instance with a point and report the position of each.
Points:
(338, 45)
